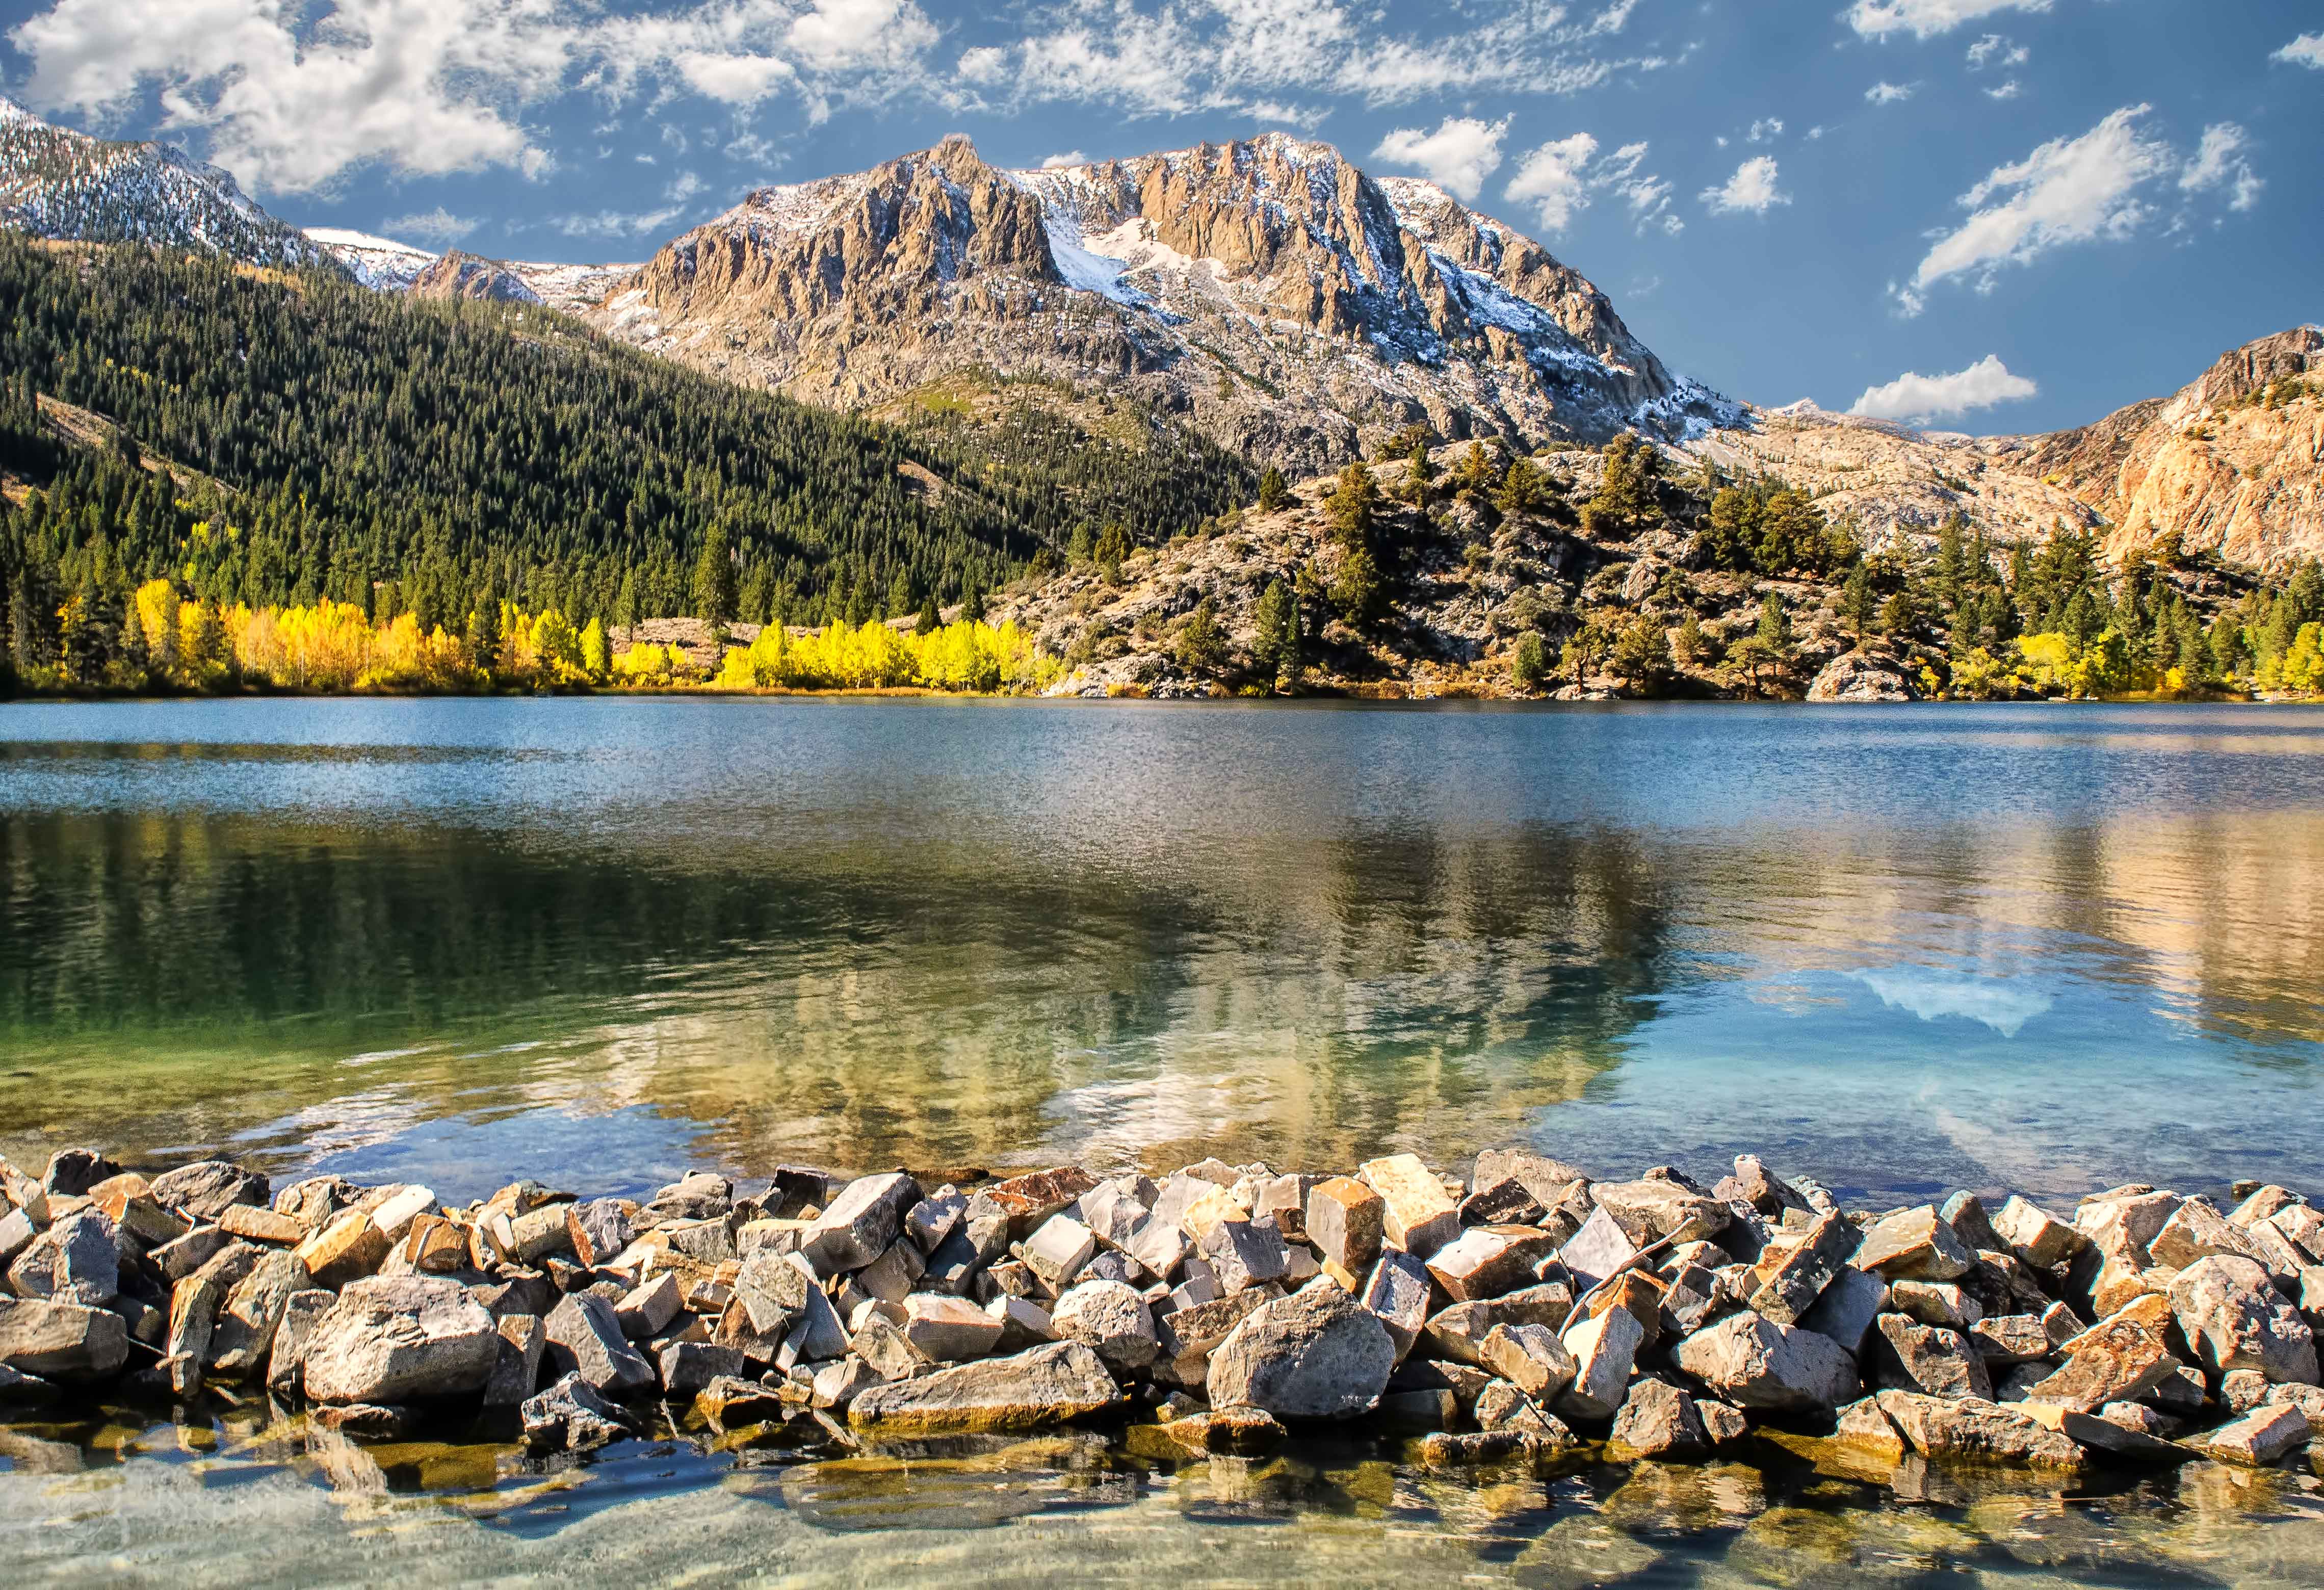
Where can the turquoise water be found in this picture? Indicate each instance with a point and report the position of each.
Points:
(596, 942)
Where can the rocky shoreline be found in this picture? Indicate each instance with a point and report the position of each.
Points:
(1523, 1314)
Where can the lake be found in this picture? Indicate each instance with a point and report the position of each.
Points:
(599, 941)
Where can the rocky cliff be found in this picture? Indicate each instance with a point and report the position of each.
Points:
(1286, 303)
(2233, 463)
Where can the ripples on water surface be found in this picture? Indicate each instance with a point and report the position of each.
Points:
(596, 942)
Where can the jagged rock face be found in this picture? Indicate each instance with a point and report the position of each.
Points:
(62, 184)
(2212, 463)
(466, 276)
(1284, 300)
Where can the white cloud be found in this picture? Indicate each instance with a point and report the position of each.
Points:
(1917, 397)
(2008, 90)
(1751, 191)
(436, 225)
(1071, 157)
(2220, 162)
(1924, 19)
(1551, 179)
(1558, 179)
(2069, 190)
(1766, 131)
(292, 95)
(1458, 156)
(1995, 48)
(1889, 93)
(2308, 50)
(621, 224)
(985, 64)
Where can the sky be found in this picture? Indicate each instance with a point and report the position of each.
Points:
(1988, 215)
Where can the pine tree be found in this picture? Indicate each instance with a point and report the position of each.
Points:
(1276, 643)
(1273, 493)
(714, 581)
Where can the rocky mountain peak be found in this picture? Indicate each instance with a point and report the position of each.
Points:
(457, 275)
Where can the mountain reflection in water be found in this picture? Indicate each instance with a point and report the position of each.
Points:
(597, 941)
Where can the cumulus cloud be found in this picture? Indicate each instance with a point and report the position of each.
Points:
(1921, 398)
(1751, 191)
(2220, 163)
(2008, 90)
(436, 225)
(1994, 47)
(1889, 93)
(1765, 131)
(1071, 157)
(2069, 190)
(2308, 50)
(291, 95)
(1558, 179)
(1924, 19)
(1458, 156)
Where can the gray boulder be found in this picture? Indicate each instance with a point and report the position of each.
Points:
(398, 1339)
(2234, 1319)
(585, 1338)
(76, 1260)
(1113, 1319)
(61, 1341)
(207, 1188)
(1317, 1354)
(1044, 1386)
(1752, 1362)
(571, 1416)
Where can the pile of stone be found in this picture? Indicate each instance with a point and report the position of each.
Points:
(1522, 1313)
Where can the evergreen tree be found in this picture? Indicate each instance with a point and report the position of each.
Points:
(929, 621)
(1275, 645)
(484, 636)
(1273, 493)
(714, 581)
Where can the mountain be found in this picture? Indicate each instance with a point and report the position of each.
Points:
(57, 183)
(389, 266)
(2232, 463)
(1269, 293)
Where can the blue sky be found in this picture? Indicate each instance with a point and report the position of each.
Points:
(2002, 215)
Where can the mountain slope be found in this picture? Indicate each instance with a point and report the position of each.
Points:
(55, 183)
(1286, 304)
(2232, 463)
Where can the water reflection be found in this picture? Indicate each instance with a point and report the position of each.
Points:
(594, 941)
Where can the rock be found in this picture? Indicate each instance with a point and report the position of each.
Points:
(176, 1261)
(1649, 1211)
(647, 1309)
(1445, 1449)
(934, 1217)
(2010, 1339)
(1398, 1294)
(16, 1233)
(1240, 1431)
(2259, 1437)
(1189, 1336)
(1722, 1424)
(18, 1389)
(860, 1224)
(817, 1333)
(1935, 1302)
(1244, 1253)
(1753, 1184)
(892, 1273)
(2034, 1236)
(61, 1340)
(1548, 1180)
(2197, 1231)
(2234, 1319)
(1505, 1202)
(1848, 1308)
(516, 1359)
(1600, 1249)
(771, 1293)
(249, 1222)
(206, 1189)
(599, 1229)
(687, 1367)
(1501, 1406)
(1862, 1425)
(1023, 1324)
(369, 1421)
(1968, 1428)
(1933, 1362)
(1914, 1244)
(1792, 1279)
(1639, 1294)
(1041, 1386)
(1159, 1247)
(1965, 1213)
(1752, 1362)
(346, 1248)
(2242, 1389)
(1657, 1419)
(1603, 1348)
(242, 1340)
(1057, 1251)
(944, 1329)
(2303, 1226)
(76, 1260)
(1861, 676)
(145, 1222)
(1113, 1214)
(2119, 1360)
(302, 1311)
(729, 1401)
(573, 1416)
(585, 1338)
(1532, 1358)
(2117, 1437)
(1345, 1222)
(1029, 1200)
(2128, 1218)
(71, 1172)
(1112, 1318)
(1488, 1261)
(1459, 1332)
(837, 1385)
(1418, 1216)
(880, 1344)
(1317, 1354)
(400, 1339)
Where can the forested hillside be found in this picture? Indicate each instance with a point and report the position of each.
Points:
(424, 458)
